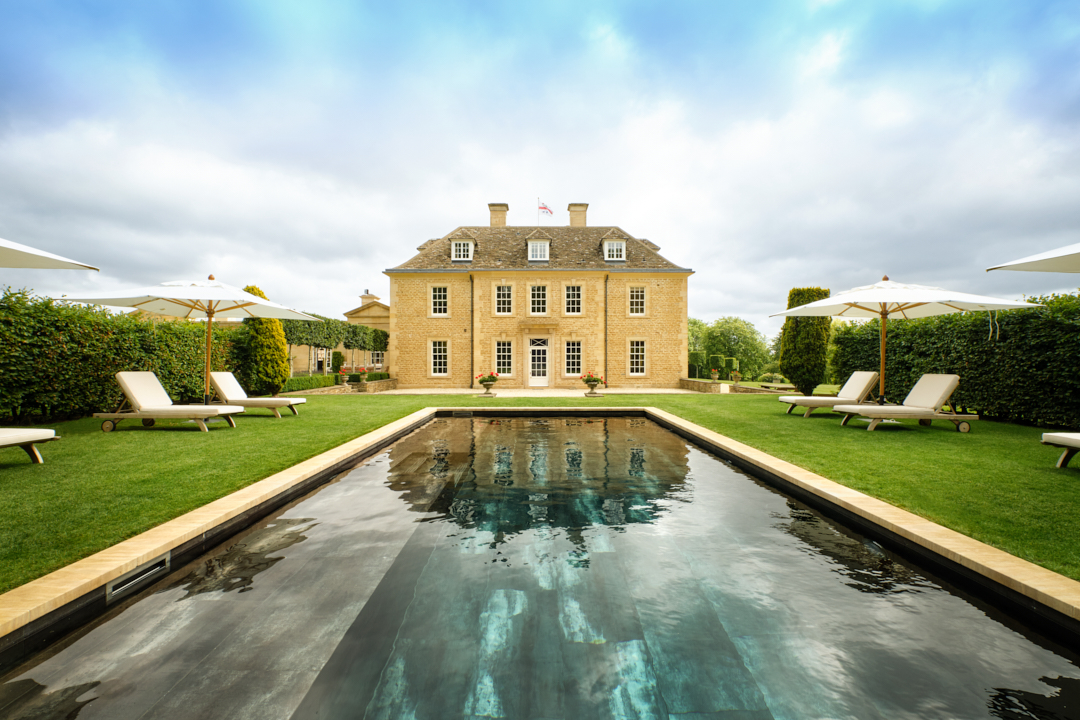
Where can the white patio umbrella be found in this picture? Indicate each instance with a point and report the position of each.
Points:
(887, 298)
(1066, 260)
(17, 255)
(195, 299)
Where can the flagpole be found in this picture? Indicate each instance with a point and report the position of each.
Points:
(537, 212)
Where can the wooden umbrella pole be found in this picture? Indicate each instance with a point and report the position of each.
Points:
(209, 337)
(881, 375)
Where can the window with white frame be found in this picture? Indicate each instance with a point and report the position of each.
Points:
(614, 250)
(462, 251)
(637, 357)
(573, 299)
(377, 358)
(504, 357)
(504, 299)
(637, 301)
(538, 250)
(439, 304)
(440, 358)
(538, 299)
(573, 357)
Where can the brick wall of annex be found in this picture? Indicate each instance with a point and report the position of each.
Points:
(472, 340)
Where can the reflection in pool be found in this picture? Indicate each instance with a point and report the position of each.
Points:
(551, 568)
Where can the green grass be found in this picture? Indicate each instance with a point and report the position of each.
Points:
(996, 483)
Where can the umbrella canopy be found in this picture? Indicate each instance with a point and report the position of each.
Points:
(195, 299)
(1066, 260)
(15, 255)
(887, 299)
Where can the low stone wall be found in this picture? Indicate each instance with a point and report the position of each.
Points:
(757, 390)
(332, 390)
(376, 386)
(707, 386)
(703, 386)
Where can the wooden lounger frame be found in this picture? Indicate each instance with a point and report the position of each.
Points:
(1067, 453)
(35, 456)
(113, 419)
(961, 421)
(216, 399)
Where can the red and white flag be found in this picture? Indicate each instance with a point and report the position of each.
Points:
(545, 209)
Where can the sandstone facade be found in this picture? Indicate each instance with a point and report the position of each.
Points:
(474, 302)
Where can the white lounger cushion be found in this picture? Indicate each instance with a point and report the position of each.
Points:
(931, 392)
(1062, 439)
(925, 399)
(188, 411)
(143, 389)
(10, 437)
(230, 391)
(871, 410)
(147, 397)
(854, 390)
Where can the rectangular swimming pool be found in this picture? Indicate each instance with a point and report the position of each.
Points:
(549, 568)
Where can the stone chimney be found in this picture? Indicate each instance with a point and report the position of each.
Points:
(368, 297)
(577, 214)
(498, 214)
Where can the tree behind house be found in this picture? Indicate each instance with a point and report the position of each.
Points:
(729, 337)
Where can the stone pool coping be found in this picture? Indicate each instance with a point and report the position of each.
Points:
(35, 614)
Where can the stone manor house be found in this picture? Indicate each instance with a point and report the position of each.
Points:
(538, 305)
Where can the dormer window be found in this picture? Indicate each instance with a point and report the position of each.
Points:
(538, 251)
(615, 251)
(462, 251)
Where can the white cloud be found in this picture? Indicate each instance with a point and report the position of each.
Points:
(834, 186)
(824, 56)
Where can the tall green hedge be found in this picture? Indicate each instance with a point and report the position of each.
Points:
(1018, 365)
(804, 342)
(58, 361)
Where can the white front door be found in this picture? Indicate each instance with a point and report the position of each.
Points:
(538, 362)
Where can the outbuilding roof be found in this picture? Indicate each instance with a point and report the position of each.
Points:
(507, 248)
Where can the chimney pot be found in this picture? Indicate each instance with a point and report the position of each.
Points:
(577, 214)
(498, 214)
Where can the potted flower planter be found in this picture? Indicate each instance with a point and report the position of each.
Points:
(592, 381)
(488, 380)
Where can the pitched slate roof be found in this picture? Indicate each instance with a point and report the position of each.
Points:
(506, 248)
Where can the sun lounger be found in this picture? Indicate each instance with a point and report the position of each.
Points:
(146, 400)
(1069, 441)
(923, 403)
(228, 389)
(855, 391)
(26, 438)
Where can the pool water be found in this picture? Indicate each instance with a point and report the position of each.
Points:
(549, 568)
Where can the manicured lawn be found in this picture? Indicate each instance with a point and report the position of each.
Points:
(996, 483)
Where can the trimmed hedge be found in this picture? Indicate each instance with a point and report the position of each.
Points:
(58, 361)
(1017, 365)
(311, 382)
(369, 377)
(266, 363)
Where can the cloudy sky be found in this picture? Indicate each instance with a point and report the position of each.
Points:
(306, 146)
